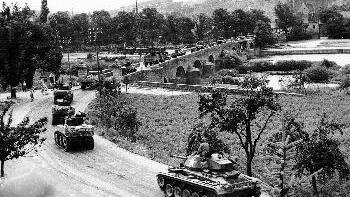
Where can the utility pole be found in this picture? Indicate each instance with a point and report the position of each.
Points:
(93, 35)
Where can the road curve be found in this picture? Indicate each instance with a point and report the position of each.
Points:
(105, 171)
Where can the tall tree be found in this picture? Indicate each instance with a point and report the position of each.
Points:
(334, 23)
(80, 26)
(285, 17)
(248, 117)
(203, 26)
(44, 11)
(26, 45)
(20, 140)
(102, 19)
(222, 20)
(263, 34)
(124, 27)
(151, 25)
(62, 23)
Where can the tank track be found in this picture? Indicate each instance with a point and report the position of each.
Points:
(178, 185)
(70, 143)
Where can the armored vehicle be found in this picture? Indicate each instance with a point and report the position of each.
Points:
(210, 177)
(63, 96)
(75, 134)
(60, 112)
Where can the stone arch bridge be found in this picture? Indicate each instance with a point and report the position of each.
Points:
(171, 69)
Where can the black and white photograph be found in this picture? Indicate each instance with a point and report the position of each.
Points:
(175, 98)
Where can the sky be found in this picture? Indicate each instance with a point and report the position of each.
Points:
(76, 6)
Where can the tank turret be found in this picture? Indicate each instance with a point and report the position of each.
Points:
(212, 176)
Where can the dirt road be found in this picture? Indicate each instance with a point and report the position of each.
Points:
(105, 171)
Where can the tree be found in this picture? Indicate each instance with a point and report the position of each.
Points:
(203, 26)
(18, 141)
(27, 45)
(80, 27)
(171, 31)
(221, 18)
(44, 11)
(334, 23)
(263, 34)
(257, 105)
(285, 17)
(62, 23)
(321, 152)
(151, 25)
(124, 25)
(185, 27)
(102, 19)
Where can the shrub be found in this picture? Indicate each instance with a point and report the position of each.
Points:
(345, 69)
(230, 80)
(261, 66)
(229, 72)
(317, 74)
(291, 65)
(215, 79)
(330, 64)
(345, 83)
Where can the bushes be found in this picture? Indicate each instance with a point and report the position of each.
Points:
(345, 69)
(317, 74)
(230, 80)
(290, 65)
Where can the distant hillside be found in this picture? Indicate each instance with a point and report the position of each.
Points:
(191, 8)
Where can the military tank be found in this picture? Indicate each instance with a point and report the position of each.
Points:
(74, 134)
(59, 113)
(207, 177)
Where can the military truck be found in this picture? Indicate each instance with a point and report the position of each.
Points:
(63, 95)
(75, 134)
(90, 79)
(215, 176)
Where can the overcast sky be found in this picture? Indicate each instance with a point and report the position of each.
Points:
(75, 5)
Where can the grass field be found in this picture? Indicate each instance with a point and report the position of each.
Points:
(167, 122)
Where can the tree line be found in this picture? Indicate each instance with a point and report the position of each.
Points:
(149, 27)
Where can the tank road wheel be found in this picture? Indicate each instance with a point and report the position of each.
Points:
(89, 143)
(177, 192)
(194, 194)
(66, 144)
(57, 138)
(186, 193)
(169, 190)
(161, 181)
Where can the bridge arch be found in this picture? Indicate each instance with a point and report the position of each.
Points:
(197, 64)
(211, 58)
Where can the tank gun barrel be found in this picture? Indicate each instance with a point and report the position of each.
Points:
(179, 156)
